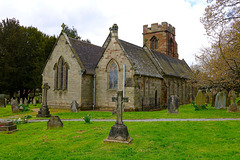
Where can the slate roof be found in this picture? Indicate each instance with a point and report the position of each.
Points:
(88, 54)
(140, 60)
(172, 66)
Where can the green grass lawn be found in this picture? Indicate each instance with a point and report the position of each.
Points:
(151, 140)
(185, 111)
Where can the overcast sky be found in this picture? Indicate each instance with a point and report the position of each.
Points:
(92, 19)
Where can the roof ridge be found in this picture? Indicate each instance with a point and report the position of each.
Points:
(84, 42)
(131, 44)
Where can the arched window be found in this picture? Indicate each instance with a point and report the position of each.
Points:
(55, 76)
(113, 76)
(154, 43)
(61, 75)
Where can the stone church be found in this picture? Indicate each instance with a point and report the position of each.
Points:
(92, 75)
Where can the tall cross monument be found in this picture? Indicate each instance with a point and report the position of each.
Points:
(119, 132)
(44, 111)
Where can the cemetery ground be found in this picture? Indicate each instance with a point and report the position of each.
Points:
(151, 140)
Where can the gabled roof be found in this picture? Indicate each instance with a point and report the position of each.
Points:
(172, 66)
(88, 54)
(139, 58)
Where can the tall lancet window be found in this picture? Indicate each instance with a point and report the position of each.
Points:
(113, 76)
(61, 75)
(154, 43)
(171, 47)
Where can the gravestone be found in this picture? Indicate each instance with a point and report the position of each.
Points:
(11, 100)
(40, 99)
(220, 102)
(200, 99)
(44, 111)
(34, 101)
(54, 122)
(25, 102)
(74, 106)
(14, 106)
(119, 132)
(233, 107)
(2, 101)
(20, 101)
(7, 126)
(228, 101)
(173, 104)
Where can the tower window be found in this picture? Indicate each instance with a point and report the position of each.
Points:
(154, 43)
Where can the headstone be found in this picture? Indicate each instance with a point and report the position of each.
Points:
(44, 111)
(220, 102)
(119, 132)
(74, 106)
(233, 108)
(200, 99)
(11, 100)
(20, 101)
(14, 106)
(25, 102)
(54, 122)
(6, 101)
(40, 99)
(228, 101)
(2, 101)
(173, 104)
(34, 101)
(31, 100)
(7, 126)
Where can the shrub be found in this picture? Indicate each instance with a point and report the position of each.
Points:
(22, 120)
(87, 119)
(23, 108)
(199, 107)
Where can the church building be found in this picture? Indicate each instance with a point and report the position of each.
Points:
(92, 75)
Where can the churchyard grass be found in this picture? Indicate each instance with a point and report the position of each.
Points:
(151, 140)
(7, 111)
(185, 111)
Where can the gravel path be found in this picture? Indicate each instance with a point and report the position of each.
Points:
(141, 120)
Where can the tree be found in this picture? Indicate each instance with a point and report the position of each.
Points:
(73, 33)
(23, 52)
(219, 64)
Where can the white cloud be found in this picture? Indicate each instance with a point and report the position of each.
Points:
(92, 19)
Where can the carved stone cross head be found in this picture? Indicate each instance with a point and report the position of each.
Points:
(119, 103)
(45, 86)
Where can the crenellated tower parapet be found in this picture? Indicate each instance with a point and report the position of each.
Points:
(161, 38)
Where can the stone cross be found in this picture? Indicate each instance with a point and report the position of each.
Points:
(44, 111)
(119, 103)
(45, 87)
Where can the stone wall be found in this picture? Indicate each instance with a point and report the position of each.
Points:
(87, 92)
(103, 94)
(165, 34)
(148, 93)
(63, 98)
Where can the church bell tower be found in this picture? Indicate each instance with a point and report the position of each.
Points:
(161, 38)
